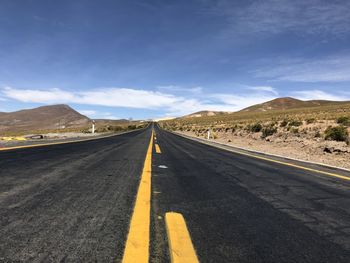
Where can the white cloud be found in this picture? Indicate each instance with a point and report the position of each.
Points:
(331, 69)
(265, 89)
(319, 95)
(141, 99)
(167, 104)
(174, 88)
(238, 102)
(88, 112)
(113, 97)
(38, 96)
(98, 115)
(105, 115)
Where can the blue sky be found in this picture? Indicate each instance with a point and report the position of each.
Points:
(148, 59)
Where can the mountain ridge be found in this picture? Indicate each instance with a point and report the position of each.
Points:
(283, 103)
(42, 118)
(287, 103)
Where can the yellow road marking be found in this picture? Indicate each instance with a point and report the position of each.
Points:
(137, 244)
(158, 149)
(180, 245)
(16, 138)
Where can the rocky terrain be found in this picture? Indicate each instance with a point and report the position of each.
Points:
(306, 146)
(318, 132)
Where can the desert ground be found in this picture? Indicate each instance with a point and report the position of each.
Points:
(319, 134)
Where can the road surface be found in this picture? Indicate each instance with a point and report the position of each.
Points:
(76, 203)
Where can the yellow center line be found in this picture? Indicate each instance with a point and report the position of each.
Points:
(180, 245)
(158, 148)
(137, 244)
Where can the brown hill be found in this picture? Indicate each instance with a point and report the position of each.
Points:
(42, 118)
(289, 103)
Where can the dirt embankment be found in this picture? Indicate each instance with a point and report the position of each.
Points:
(306, 144)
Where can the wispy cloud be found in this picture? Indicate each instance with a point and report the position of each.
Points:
(88, 112)
(238, 102)
(319, 95)
(175, 89)
(330, 69)
(166, 103)
(113, 97)
(268, 89)
(98, 115)
(141, 99)
(314, 17)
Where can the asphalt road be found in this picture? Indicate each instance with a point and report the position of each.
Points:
(241, 209)
(74, 202)
(69, 202)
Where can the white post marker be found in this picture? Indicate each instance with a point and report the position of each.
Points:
(208, 136)
(93, 127)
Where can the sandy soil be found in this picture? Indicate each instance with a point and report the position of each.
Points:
(303, 146)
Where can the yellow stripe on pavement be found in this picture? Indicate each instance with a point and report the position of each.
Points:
(137, 244)
(180, 245)
(158, 149)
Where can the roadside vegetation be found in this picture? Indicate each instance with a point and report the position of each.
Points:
(339, 133)
(340, 113)
(320, 134)
(306, 121)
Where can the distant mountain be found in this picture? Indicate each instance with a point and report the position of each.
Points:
(205, 114)
(42, 118)
(289, 103)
